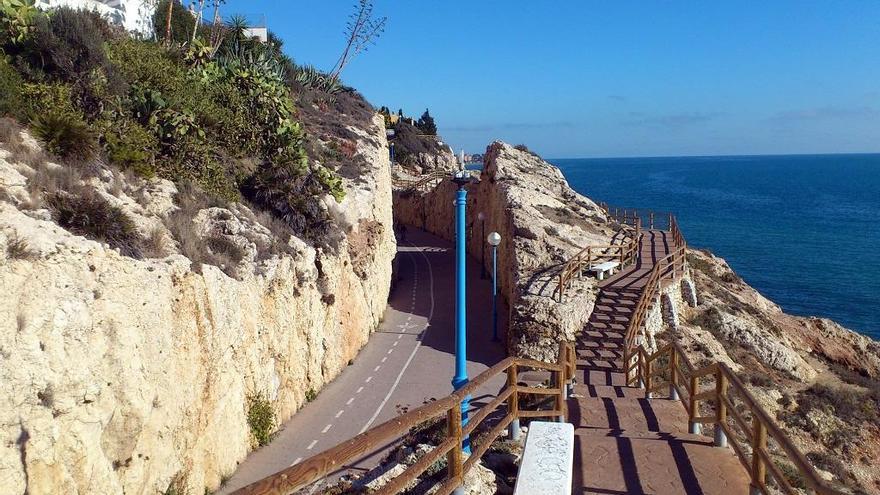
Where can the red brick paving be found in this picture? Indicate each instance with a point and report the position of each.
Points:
(624, 443)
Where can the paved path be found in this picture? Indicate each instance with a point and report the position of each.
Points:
(408, 361)
(624, 443)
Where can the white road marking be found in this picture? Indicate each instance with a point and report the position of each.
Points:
(377, 368)
(349, 401)
(368, 380)
(311, 445)
(384, 359)
(326, 428)
(398, 338)
(359, 390)
(339, 413)
(390, 351)
(395, 343)
(415, 349)
(296, 461)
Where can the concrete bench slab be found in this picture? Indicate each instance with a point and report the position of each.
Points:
(546, 466)
(601, 268)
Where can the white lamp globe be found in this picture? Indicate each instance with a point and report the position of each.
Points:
(494, 239)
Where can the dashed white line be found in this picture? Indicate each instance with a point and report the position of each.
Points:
(359, 390)
(413, 353)
(368, 379)
(391, 350)
(384, 359)
(339, 413)
(377, 368)
(395, 343)
(296, 461)
(349, 401)
(326, 429)
(311, 445)
(398, 338)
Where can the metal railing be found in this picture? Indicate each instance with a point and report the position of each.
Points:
(336, 458)
(740, 422)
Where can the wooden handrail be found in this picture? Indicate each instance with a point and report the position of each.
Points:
(421, 183)
(626, 252)
(757, 458)
(325, 463)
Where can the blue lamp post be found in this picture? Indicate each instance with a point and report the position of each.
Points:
(460, 378)
(494, 240)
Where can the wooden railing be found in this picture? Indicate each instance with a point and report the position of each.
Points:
(421, 183)
(625, 252)
(336, 458)
(739, 420)
(666, 271)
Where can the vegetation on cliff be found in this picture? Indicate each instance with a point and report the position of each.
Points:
(208, 107)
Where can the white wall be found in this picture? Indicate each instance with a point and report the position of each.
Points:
(133, 15)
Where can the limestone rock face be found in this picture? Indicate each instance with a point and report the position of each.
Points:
(123, 376)
(542, 222)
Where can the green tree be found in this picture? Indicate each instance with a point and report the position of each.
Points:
(426, 124)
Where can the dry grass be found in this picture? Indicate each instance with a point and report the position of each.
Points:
(87, 214)
(155, 245)
(18, 248)
(11, 140)
(217, 251)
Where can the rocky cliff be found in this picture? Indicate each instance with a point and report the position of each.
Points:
(132, 371)
(819, 380)
(542, 222)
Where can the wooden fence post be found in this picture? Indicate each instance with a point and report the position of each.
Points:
(561, 284)
(454, 457)
(759, 443)
(649, 380)
(513, 404)
(693, 426)
(580, 265)
(673, 373)
(721, 408)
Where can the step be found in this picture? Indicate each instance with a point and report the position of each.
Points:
(655, 463)
(600, 377)
(630, 413)
(609, 391)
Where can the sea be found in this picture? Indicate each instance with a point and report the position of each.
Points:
(804, 230)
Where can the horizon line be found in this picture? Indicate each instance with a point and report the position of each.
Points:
(621, 157)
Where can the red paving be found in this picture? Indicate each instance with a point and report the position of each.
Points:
(624, 443)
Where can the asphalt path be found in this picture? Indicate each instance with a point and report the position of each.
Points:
(408, 361)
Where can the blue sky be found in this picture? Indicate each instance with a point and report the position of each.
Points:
(622, 78)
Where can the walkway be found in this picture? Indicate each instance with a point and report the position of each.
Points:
(624, 443)
(407, 362)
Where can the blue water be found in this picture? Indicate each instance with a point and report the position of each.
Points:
(802, 229)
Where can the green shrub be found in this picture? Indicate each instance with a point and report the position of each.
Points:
(129, 145)
(311, 395)
(89, 215)
(261, 418)
(42, 98)
(66, 135)
(69, 46)
(11, 102)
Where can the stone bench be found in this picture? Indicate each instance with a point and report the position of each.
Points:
(601, 268)
(546, 466)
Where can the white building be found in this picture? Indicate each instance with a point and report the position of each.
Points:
(134, 15)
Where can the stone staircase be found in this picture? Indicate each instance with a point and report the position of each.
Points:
(625, 443)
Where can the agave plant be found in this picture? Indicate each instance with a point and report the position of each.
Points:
(310, 77)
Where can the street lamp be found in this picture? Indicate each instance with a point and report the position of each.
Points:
(494, 240)
(460, 379)
(482, 217)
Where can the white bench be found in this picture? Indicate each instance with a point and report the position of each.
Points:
(546, 466)
(601, 268)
